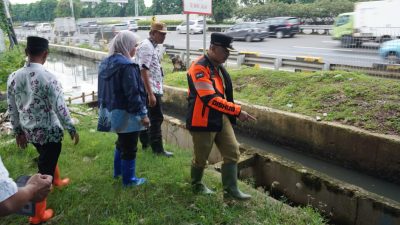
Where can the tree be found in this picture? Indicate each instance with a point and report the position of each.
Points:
(130, 8)
(165, 7)
(318, 12)
(224, 9)
(88, 10)
(63, 9)
(106, 9)
(253, 2)
(38, 11)
(3, 18)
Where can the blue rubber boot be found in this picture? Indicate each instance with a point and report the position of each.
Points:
(128, 174)
(117, 163)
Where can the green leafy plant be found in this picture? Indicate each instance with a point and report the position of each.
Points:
(10, 61)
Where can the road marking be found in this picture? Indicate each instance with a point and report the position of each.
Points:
(327, 56)
(332, 42)
(335, 49)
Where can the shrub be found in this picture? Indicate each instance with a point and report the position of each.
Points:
(10, 61)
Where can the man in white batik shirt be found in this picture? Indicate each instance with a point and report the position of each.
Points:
(38, 114)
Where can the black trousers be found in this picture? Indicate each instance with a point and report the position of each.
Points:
(127, 145)
(156, 116)
(48, 157)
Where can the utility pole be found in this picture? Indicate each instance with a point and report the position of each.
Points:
(136, 8)
(2, 44)
(71, 4)
(11, 34)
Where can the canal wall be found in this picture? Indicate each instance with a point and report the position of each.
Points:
(370, 153)
(342, 203)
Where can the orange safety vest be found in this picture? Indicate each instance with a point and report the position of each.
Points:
(210, 95)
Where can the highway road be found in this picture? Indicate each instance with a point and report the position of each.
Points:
(301, 45)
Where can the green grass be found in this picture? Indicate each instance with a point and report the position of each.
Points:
(348, 98)
(94, 197)
(10, 61)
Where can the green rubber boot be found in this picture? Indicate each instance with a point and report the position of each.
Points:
(197, 186)
(229, 181)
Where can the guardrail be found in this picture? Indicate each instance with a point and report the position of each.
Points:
(83, 97)
(297, 64)
(304, 29)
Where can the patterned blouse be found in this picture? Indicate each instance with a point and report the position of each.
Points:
(36, 105)
(7, 186)
(148, 56)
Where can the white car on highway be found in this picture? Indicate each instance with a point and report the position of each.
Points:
(43, 28)
(195, 26)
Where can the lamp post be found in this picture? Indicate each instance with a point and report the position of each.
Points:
(136, 8)
(71, 4)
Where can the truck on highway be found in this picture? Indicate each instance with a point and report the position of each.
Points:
(64, 26)
(376, 21)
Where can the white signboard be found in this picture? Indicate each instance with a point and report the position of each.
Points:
(197, 7)
(117, 1)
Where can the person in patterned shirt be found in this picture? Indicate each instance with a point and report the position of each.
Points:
(38, 114)
(148, 57)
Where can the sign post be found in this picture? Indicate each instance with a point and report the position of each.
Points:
(202, 7)
(11, 34)
(2, 42)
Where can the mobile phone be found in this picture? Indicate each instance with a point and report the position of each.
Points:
(29, 208)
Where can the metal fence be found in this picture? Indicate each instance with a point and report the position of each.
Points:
(296, 64)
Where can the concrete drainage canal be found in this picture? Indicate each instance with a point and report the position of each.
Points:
(280, 177)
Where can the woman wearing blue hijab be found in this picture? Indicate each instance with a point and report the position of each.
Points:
(122, 104)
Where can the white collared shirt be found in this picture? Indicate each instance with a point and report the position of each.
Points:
(7, 186)
(148, 56)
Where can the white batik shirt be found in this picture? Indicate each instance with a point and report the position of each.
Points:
(7, 186)
(148, 56)
(36, 105)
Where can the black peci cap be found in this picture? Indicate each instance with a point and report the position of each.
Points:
(37, 43)
(222, 40)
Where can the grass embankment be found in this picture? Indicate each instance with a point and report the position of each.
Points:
(10, 61)
(348, 98)
(94, 197)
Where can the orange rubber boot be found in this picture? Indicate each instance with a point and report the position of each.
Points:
(57, 181)
(41, 213)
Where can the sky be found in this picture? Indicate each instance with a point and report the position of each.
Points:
(146, 2)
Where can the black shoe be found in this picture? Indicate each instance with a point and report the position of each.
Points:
(158, 149)
(164, 153)
(145, 147)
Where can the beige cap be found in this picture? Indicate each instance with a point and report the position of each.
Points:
(159, 26)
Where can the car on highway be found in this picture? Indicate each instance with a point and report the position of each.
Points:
(282, 26)
(132, 25)
(108, 32)
(390, 50)
(29, 25)
(43, 28)
(88, 27)
(248, 31)
(195, 26)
